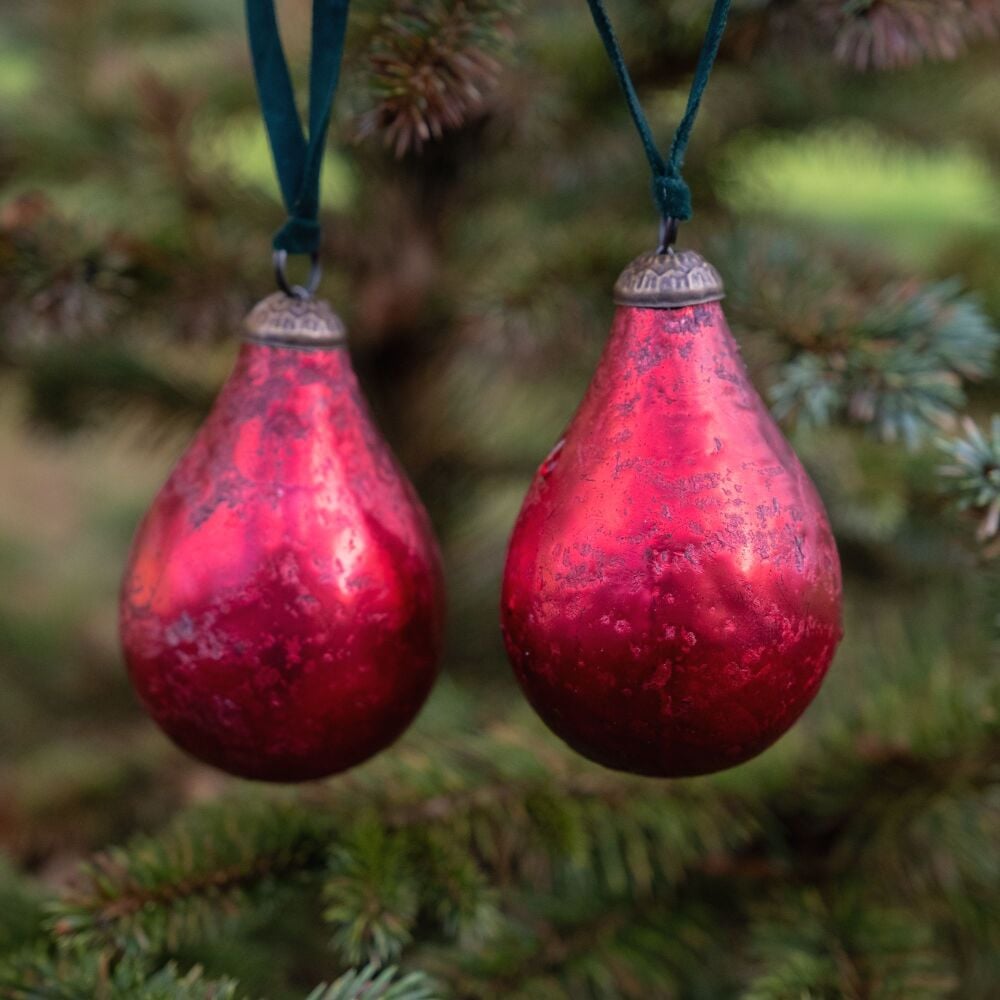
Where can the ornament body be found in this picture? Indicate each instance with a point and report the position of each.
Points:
(672, 594)
(281, 612)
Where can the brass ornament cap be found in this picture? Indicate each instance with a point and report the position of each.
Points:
(669, 280)
(294, 322)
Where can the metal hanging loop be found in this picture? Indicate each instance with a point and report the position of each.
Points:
(297, 291)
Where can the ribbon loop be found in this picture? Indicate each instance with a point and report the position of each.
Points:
(298, 158)
(670, 191)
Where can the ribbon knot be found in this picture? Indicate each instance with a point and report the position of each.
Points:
(672, 197)
(299, 235)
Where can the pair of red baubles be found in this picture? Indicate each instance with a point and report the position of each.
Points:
(671, 599)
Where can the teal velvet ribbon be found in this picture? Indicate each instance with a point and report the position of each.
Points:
(670, 190)
(298, 158)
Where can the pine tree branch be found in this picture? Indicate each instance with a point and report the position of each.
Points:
(886, 34)
(652, 948)
(892, 34)
(161, 890)
(68, 387)
(397, 871)
(896, 361)
(81, 974)
(816, 944)
(373, 983)
(433, 67)
(972, 476)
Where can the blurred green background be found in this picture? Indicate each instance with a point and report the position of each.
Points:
(483, 190)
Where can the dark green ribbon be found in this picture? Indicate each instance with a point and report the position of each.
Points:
(298, 158)
(670, 190)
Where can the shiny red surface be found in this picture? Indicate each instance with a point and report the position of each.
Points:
(671, 600)
(281, 613)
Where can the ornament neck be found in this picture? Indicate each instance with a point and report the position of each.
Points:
(668, 280)
(290, 321)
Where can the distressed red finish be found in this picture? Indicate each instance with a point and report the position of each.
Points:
(671, 600)
(281, 612)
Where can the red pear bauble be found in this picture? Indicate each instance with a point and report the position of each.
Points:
(672, 595)
(281, 613)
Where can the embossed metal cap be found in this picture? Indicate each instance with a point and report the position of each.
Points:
(295, 322)
(669, 280)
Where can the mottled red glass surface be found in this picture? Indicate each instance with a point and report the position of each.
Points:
(672, 596)
(281, 612)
